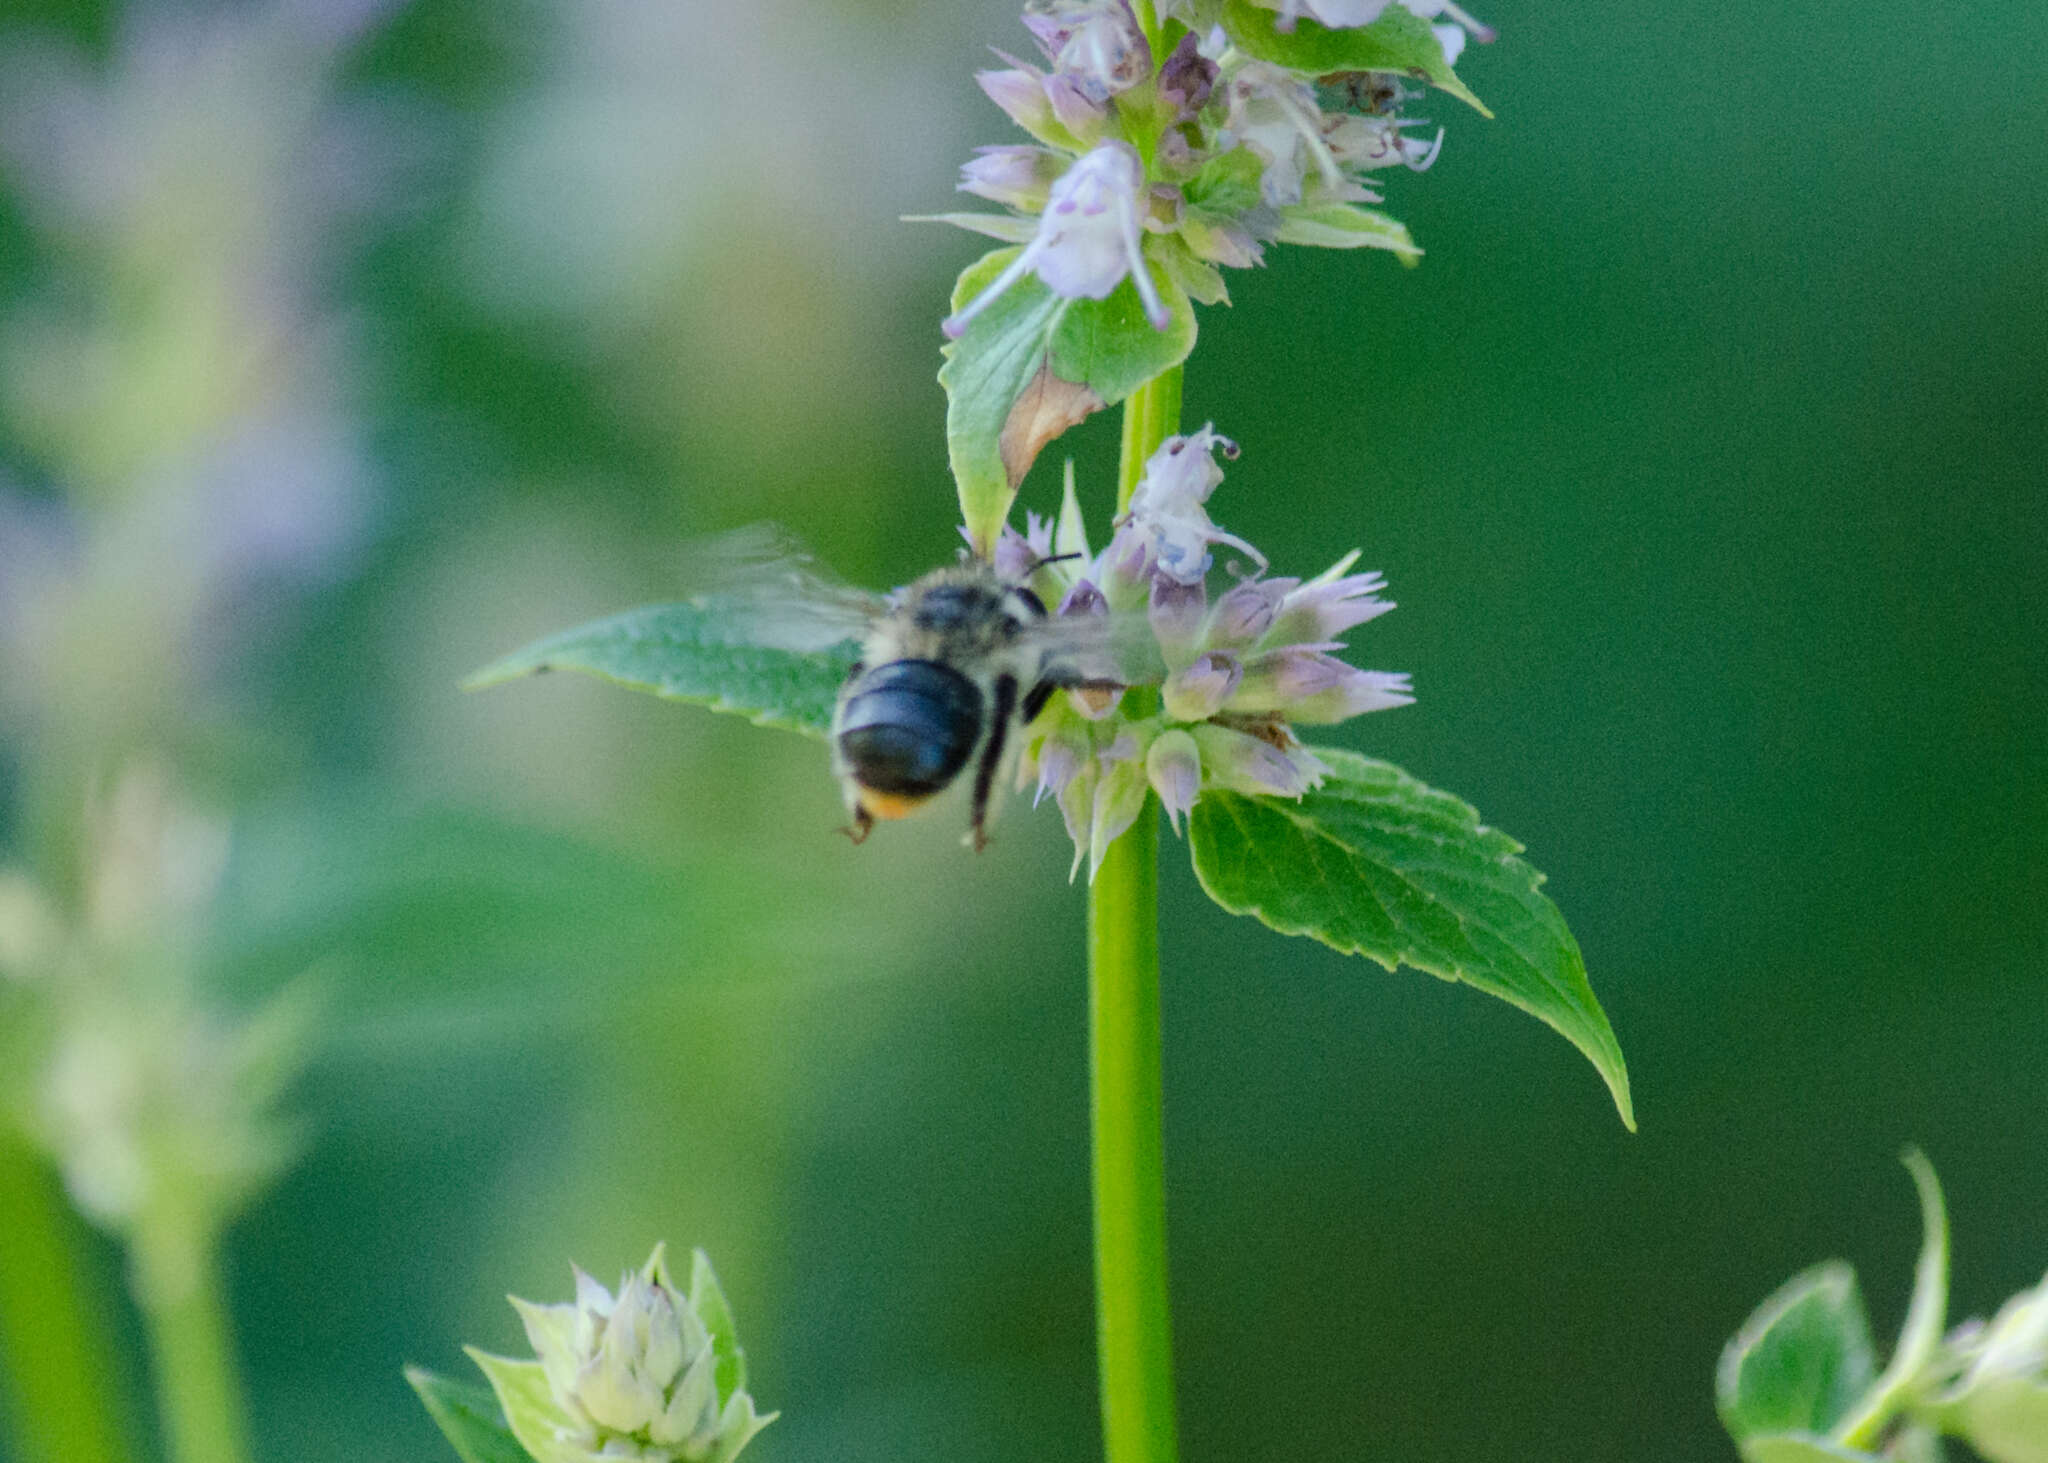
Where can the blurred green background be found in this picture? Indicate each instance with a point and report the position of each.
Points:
(1705, 454)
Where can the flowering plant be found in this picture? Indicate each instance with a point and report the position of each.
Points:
(1169, 143)
(1799, 1383)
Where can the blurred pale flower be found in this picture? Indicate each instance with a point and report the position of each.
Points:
(650, 1373)
(1998, 1399)
(159, 1109)
(185, 382)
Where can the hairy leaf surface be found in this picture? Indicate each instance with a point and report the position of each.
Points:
(468, 1417)
(1375, 863)
(1801, 1361)
(698, 652)
(1102, 349)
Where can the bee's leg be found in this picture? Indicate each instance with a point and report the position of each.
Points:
(862, 825)
(992, 757)
(1034, 701)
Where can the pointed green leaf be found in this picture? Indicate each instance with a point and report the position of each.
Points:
(1800, 1448)
(1374, 863)
(1399, 40)
(1099, 351)
(696, 652)
(1926, 1314)
(1111, 348)
(468, 1417)
(529, 1407)
(708, 1299)
(1801, 1361)
(986, 370)
(1346, 226)
(1005, 226)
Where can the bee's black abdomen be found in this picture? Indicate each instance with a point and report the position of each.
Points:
(908, 727)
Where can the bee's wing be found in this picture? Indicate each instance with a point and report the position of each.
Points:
(767, 586)
(1118, 647)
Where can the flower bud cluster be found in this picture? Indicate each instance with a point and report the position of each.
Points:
(650, 1373)
(1240, 670)
(1996, 1395)
(1189, 161)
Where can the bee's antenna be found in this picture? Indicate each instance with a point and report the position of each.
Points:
(1057, 559)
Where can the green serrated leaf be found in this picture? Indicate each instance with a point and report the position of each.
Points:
(468, 1417)
(1801, 1361)
(1346, 226)
(986, 370)
(696, 652)
(1102, 350)
(708, 1299)
(1399, 40)
(1800, 1448)
(1110, 347)
(1377, 864)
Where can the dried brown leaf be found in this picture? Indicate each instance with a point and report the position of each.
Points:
(1046, 407)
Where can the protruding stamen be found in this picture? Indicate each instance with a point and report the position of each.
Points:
(955, 325)
(1486, 35)
(1141, 275)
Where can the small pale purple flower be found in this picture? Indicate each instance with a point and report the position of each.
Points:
(1173, 765)
(1119, 798)
(1089, 239)
(1084, 599)
(1241, 762)
(1019, 176)
(1166, 508)
(1327, 605)
(1274, 112)
(1199, 690)
(1177, 612)
(1018, 556)
(1187, 79)
(1095, 44)
(1077, 810)
(1020, 92)
(1364, 143)
(1246, 611)
(1304, 683)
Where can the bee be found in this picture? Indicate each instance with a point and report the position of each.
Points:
(951, 668)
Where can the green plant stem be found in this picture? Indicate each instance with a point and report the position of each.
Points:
(199, 1391)
(1148, 23)
(1925, 1315)
(59, 1374)
(1134, 1334)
